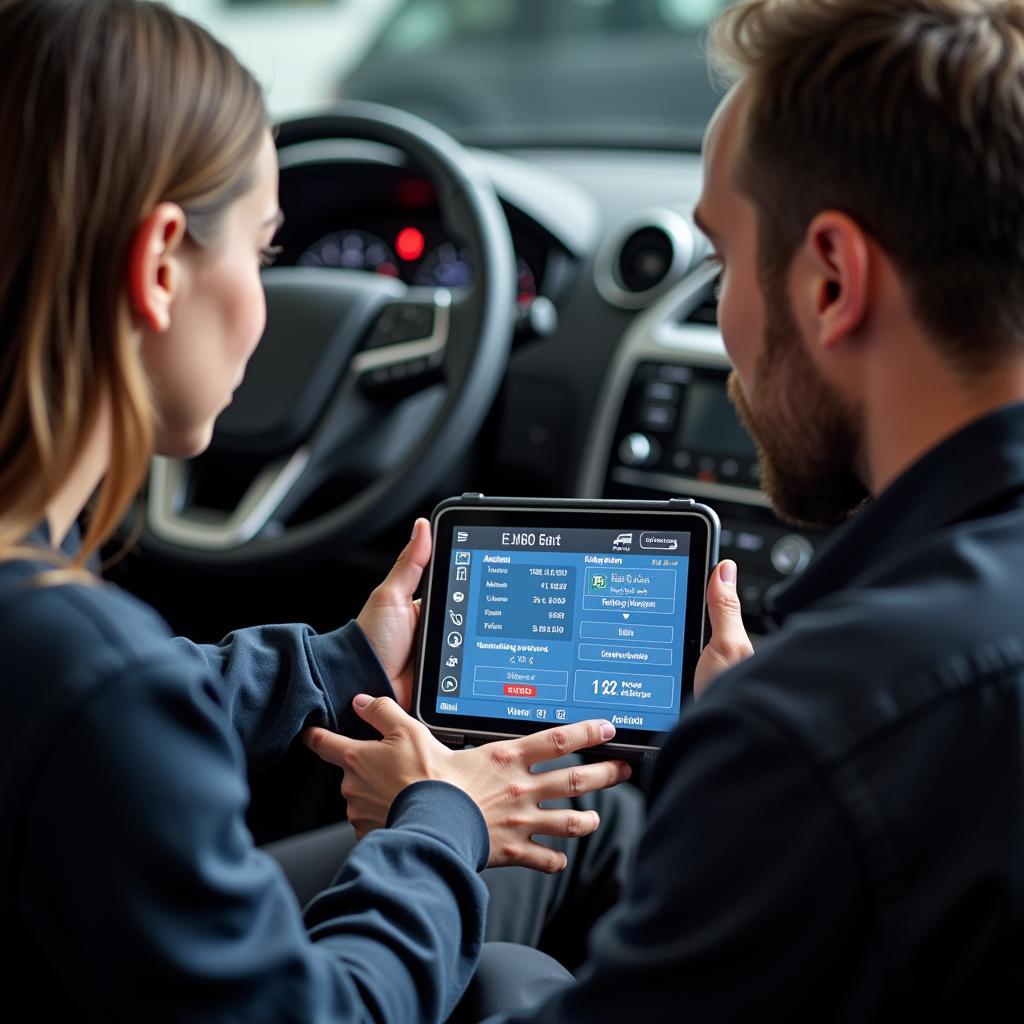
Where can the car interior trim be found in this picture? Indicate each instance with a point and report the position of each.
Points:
(684, 243)
(653, 335)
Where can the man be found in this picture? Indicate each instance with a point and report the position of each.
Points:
(836, 830)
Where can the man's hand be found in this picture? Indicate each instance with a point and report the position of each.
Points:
(729, 643)
(496, 776)
(390, 615)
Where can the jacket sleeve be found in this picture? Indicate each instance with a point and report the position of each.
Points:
(145, 894)
(279, 679)
(748, 900)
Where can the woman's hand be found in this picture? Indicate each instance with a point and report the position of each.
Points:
(496, 776)
(390, 616)
(729, 644)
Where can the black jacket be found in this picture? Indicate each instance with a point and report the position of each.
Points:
(130, 888)
(837, 827)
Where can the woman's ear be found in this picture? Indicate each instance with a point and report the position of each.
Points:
(153, 265)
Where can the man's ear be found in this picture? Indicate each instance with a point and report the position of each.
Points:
(839, 262)
(153, 265)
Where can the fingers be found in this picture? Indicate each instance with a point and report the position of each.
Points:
(528, 854)
(565, 739)
(327, 745)
(515, 846)
(728, 637)
(408, 569)
(579, 779)
(567, 823)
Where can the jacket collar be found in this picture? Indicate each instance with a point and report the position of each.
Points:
(959, 477)
(39, 537)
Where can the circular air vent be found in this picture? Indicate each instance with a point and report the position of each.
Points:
(642, 256)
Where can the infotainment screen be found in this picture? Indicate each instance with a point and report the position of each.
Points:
(709, 422)
(560, 614)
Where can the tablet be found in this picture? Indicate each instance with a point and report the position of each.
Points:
(538, 613)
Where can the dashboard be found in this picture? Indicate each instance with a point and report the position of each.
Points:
(617, 391)
(386, 220)
(625, 396)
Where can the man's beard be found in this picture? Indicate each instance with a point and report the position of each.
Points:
(808, 437)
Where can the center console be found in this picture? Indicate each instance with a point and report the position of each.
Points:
(666, 427)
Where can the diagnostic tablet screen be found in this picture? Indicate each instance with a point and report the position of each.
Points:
(553, 624)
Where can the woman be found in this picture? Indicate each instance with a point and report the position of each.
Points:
(139, 185)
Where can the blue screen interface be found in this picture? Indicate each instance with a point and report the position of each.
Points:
(564, 625)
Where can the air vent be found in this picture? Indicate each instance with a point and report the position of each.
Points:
(645, 259)
(643, 256)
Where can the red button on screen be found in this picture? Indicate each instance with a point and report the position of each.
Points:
(518, 690)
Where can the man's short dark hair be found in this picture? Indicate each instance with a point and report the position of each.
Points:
(908, 115)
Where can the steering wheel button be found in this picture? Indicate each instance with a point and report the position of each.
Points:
(418, 319)
(401, 322)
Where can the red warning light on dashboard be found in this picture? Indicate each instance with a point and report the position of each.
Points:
(409, 244)
(518, 690)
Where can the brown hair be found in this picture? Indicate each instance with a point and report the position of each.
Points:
(908, 115)
(107, 107)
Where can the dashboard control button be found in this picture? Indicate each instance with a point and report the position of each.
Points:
(658, 417)
(638, 450)
(747, 541)
(538, 318)
(790, 554)
(677, 374)
(662, 391)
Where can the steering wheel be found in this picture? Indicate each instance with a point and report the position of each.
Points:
(358, 377)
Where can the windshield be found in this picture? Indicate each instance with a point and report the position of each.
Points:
(515, 72)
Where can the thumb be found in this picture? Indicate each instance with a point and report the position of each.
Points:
(728, 637)
(408, 568)
(381, 712)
